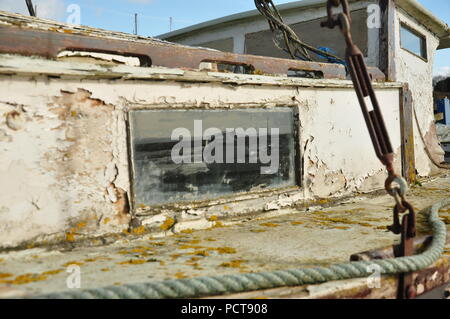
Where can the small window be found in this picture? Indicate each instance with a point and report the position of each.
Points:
(187, 155)
(413, 42)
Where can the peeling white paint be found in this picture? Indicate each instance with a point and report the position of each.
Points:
(418, 74)
(69, 161)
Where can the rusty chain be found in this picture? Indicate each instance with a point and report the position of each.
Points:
(378, 134)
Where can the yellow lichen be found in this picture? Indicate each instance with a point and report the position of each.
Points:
(81, 225)
(52, 272)
(218, 225)
(105, 269)
(187, 231)
(139, 230)
(233, 264)
(297, 223)
(70, 237)
(90, 260)
(168, 223)
(106, 220)
(194, 241)
(213, 218)
(225, 250)
(342, 221)
(138, 250)
(26, 279)
(180, 275)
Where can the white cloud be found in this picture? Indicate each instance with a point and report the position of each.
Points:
(48, 9)
(442, 71)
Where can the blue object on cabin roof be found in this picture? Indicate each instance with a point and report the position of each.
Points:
(330, 59)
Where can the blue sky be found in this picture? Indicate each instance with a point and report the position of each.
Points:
(118, 15)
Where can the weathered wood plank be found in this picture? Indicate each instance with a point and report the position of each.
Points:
(407, 134)
(387, 39)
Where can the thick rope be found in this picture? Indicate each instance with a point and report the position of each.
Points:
(220, 285)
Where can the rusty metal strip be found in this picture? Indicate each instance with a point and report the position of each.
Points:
(49, 44)
(407, 135)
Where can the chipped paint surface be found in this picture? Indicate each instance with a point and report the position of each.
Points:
(65, 141)
(418, 73)
(300, 239)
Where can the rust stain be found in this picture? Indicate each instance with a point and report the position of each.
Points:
(122, 205)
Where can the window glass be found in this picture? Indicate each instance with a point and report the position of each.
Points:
(413, 42)
(200, 154)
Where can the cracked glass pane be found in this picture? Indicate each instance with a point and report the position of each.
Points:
(187, 155)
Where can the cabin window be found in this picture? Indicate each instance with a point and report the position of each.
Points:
(189, 155)
(413, 42)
